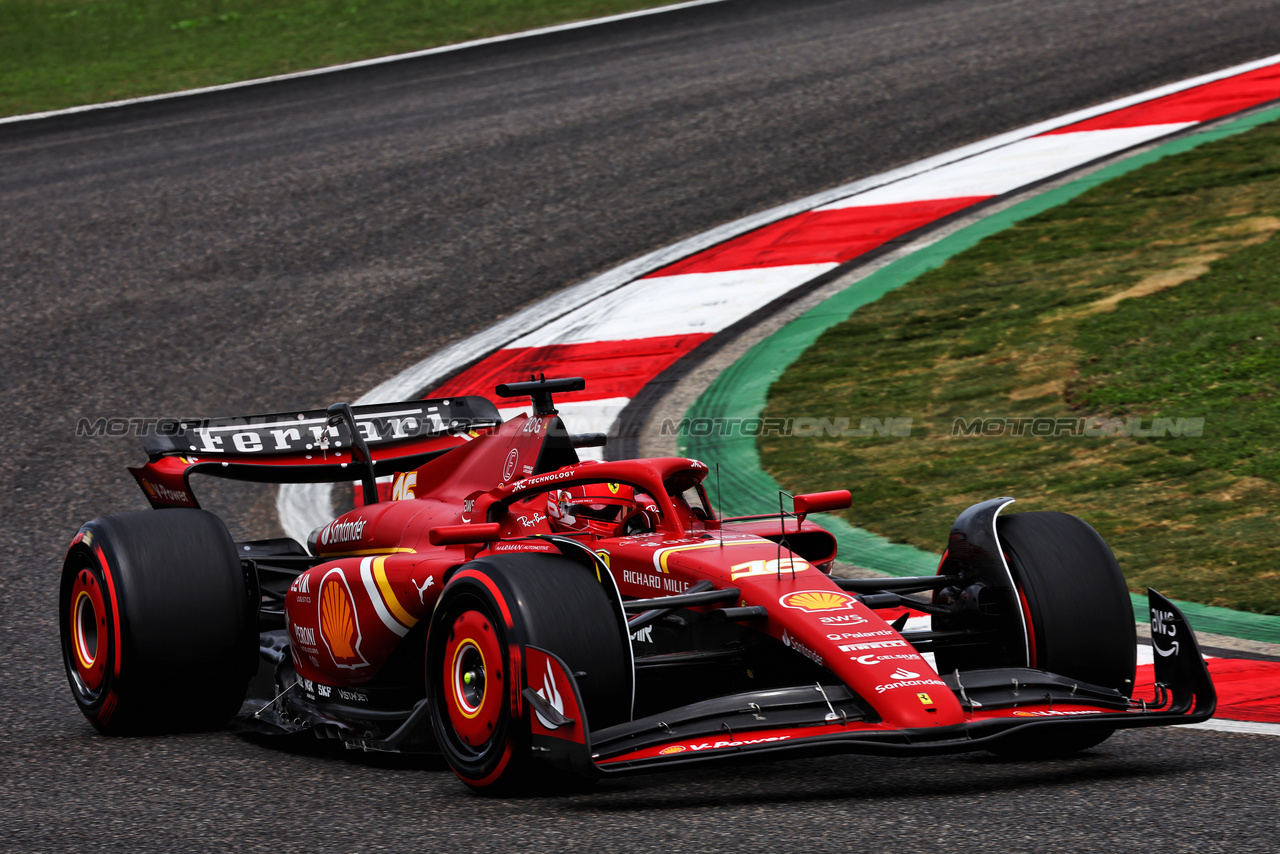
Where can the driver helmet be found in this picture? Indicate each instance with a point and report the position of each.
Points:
(595, 508)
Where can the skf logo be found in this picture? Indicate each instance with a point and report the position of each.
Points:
(817, 600)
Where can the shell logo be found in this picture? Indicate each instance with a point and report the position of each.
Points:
(817, 600)
(339, 627)
(667, 751)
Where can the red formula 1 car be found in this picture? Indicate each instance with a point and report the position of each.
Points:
(526, 613)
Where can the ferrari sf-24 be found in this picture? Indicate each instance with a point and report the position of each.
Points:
(534, 616)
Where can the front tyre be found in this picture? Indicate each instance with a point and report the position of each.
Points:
(158, 626)
(1078, 615)
(490, 610)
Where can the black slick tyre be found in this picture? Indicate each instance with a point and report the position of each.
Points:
(1078, 614)
(159, 629)
(491, 609)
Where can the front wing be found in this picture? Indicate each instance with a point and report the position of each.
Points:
(814, 720)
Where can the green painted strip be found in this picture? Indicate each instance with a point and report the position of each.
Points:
(740, 392)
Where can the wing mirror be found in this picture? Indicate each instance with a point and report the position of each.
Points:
(822, 502)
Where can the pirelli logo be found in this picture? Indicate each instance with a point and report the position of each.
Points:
(884, 644)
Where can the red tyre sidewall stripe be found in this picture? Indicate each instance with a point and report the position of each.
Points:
(492, 777)
(115, 609)
(1031, 629)
(493, 588)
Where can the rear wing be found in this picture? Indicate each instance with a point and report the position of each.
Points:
(307, 446)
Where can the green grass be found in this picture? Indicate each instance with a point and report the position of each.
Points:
(63, 53)
(1155, 294)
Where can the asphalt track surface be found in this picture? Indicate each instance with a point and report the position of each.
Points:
(294, 244)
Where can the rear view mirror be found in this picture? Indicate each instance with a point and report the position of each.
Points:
(822, 502)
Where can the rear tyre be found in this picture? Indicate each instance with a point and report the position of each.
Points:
(1078, 614)
(159, 630)
(488, 612)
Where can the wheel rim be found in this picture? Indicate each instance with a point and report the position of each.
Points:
(475, 680)
(88, 630)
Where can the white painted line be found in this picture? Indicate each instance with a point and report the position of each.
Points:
(363, 63)
(1146, 656)
(303, 507)
(994, 173)
(1247, 727)
(708, 303)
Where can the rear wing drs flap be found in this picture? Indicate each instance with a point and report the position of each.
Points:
(311, 446)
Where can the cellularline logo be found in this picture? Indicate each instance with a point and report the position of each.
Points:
(870, 658)
(817, 600)
(1054, 713)
(342, 532)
